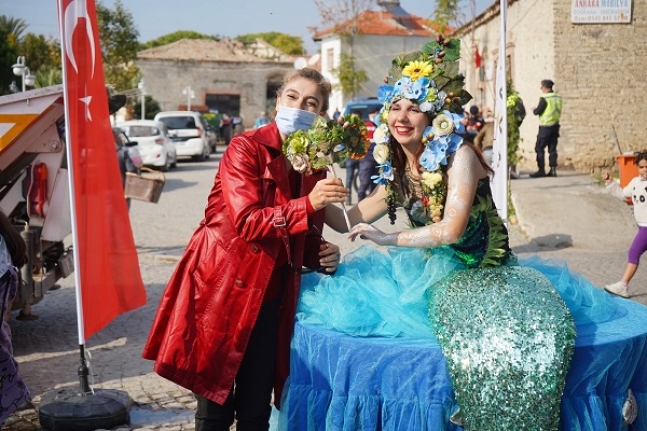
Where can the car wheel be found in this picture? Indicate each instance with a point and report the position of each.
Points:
(166, 165)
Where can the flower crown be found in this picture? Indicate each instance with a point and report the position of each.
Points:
(327, 142)
(430, 78)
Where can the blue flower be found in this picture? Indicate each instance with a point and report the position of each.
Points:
(428, 133)
(456, 118)
(386, 174)
(385, 92)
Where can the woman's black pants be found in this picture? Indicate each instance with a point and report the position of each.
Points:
(250, 398)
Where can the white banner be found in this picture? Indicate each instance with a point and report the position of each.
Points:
(500, 149)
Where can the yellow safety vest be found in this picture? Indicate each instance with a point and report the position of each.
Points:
(553, 109)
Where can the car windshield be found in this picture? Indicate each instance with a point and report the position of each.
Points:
(141, 131)
(179, 122)
(362, 109)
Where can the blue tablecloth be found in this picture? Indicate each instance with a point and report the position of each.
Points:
(340, 382)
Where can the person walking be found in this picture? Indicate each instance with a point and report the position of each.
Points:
(262, 120)
(637, 191)
(225, 321)
(13, 255)
(549, 110)
(484, 139)
(367, 165)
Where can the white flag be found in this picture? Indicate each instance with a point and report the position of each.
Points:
(500, 150)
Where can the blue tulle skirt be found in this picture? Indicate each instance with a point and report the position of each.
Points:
(365, 353)
(386, 294)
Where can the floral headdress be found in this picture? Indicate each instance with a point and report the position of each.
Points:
(430, 78)
(327, 142)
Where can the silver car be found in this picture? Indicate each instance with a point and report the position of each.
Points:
(156, 147)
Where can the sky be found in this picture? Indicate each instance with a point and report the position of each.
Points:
(155, 18)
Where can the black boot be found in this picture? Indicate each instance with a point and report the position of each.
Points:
(552, 172)
(540, 173)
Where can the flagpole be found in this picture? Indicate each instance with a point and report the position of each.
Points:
(500, 150)
(83, 369)
(85, 409)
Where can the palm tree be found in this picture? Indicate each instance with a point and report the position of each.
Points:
(14, 26)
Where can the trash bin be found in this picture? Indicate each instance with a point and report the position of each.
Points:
(628, 168)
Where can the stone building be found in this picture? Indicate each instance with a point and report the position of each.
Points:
(597, 66)
(223, 75)
(381, 36)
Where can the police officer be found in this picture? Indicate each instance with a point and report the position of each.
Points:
(549, 111)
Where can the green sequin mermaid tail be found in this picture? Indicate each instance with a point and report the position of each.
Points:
(508, 339)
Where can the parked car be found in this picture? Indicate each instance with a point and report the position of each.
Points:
(155, 146)
(188, 130)
(131, 146)
(362, 107)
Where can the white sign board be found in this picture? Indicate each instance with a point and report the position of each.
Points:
(601, 11)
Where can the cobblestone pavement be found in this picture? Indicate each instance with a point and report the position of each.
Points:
(554, 224)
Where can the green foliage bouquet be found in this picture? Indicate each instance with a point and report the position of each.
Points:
(327, 142)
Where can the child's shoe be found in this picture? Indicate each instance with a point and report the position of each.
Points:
(618, 288)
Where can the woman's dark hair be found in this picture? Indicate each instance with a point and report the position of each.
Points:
(15, 243)
(641, 156)
(313, 75)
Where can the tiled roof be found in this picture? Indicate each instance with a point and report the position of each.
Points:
(384, 23)
(225, 50)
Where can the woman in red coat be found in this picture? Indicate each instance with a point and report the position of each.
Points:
(225, 321)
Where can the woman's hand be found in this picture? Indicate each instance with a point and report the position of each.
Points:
(329, 256)
(367, 231)
(328, 191)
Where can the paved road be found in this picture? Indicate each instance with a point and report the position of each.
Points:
(566, 217)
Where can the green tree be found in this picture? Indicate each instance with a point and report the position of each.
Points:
(175, 36)
(14, 27)
(447, 14)
(8, 55)
(291, 45)
(152, 108)
(48, 75)
(40, 52)
(119, 44)
(349, 78)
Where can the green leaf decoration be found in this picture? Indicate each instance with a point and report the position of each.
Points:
(327, 142)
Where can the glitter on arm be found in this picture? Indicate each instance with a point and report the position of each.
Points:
(463, 175)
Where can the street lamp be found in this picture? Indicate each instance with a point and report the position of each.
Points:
(188, 92)
(19, 69)
(142, 91)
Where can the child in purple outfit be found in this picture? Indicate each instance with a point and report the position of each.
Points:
(637, 191)
(13, 392)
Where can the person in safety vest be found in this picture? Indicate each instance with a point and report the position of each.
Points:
(549, 111)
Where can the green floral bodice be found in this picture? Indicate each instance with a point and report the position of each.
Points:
(485, 242)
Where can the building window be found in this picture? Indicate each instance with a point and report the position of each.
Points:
(330, 59)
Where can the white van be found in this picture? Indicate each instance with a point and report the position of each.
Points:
(189, 133)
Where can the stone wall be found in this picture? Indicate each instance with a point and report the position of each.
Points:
(165, 80)
(597, 68)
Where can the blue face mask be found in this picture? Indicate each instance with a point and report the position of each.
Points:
(289, 120)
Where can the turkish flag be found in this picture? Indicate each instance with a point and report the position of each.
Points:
(477, 58)
(108, 278)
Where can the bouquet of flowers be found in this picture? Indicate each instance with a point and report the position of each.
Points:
(326, 143)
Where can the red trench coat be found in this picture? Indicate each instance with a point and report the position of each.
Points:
(211, 302)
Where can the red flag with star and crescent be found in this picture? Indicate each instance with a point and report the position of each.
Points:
(108, 279)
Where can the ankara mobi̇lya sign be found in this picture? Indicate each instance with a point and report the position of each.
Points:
(601, 11)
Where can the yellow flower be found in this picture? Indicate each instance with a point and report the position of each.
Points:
(430, 179)
(417, 69)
